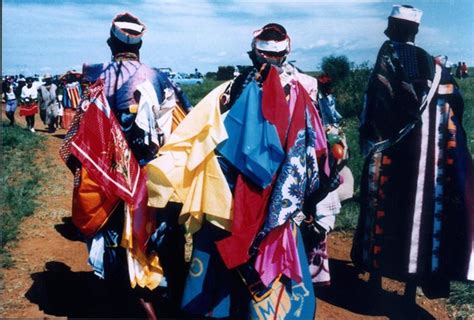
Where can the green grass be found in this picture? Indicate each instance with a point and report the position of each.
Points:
(347, 218)
(467, 90)
(461, 300)
(19, 183)
(196, 92)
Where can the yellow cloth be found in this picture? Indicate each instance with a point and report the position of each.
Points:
(144, 270)
(187, 170)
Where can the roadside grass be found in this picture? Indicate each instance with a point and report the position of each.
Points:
(467, 90)
(346, 221)
(461, 300)
(20, 185)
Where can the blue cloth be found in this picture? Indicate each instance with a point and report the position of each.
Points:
(96, 247)
(207, 290)
(253, 146)
(298, 179)
(329, 113)
(11, 105)
(213, 290)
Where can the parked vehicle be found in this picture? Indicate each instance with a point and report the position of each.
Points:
(184, 79)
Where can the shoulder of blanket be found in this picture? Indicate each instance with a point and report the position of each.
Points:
(423, 52)
(92, 72)
(159, 78)
(386, 47)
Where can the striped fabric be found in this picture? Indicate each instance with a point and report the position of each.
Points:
(417, 212)
(72, 95)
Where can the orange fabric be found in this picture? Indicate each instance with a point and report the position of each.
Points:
(178, 116)
(90, 206)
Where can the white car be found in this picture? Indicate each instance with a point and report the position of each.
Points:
(183, 79)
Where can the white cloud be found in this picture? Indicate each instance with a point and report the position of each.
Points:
(204, 34)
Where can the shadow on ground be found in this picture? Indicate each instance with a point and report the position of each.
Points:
(59, 135)
(68, 230)
(60, 292)
(350, 292)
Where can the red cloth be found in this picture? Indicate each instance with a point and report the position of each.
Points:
(101, 148)
(143, 217)
(274, 105)
(110, 172)
(28, 110)
(251, 202)
(67, 118)
(250, 208)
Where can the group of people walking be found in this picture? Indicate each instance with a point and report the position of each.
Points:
(462, 71)
(222, 209)
(44, 98)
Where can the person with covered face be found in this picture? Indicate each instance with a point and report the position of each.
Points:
(416, 220)
(245, 165)
(128, 112)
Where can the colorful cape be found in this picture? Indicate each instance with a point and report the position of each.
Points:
(109, 173)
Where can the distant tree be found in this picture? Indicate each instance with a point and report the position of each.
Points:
(243, 69)
(225, 73)
(211, 75)
(336, 67)
(349, 92)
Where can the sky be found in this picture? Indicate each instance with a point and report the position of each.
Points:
(55, 36)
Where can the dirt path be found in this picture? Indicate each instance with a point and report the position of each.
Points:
(51, 276)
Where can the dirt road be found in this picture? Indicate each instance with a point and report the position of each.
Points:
(51, 276)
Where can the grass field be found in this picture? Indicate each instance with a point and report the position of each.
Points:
(19, 182)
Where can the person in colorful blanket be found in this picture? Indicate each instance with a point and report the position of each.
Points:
(245, 165)
(416, 220)
(129, 113)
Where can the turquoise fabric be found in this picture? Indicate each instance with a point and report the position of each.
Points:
(253, 146)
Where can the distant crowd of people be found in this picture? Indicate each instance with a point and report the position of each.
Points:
(47, 95)
(461, 70)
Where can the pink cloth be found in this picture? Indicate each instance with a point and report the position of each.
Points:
(321, 141)
(278, 253)
(293, 95)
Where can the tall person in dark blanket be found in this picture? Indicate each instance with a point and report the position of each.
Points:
(416, 221)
